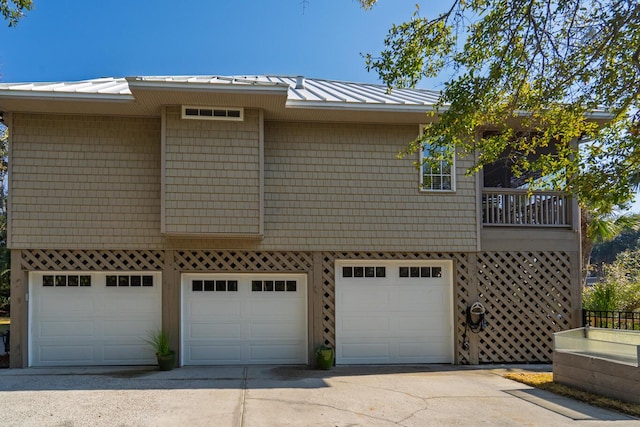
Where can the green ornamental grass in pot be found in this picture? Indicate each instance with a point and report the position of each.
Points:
(160, 342)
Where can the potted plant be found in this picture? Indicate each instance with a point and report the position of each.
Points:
(160, 342)
(324, 356)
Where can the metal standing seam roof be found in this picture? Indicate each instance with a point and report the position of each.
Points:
(301, 92)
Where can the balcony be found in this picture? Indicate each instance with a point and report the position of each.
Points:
(510, 207)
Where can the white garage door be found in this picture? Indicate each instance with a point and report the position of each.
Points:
(93, 318)
(244, 319)
(394, 312)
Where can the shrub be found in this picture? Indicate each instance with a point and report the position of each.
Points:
(619, 288)
(604, 296)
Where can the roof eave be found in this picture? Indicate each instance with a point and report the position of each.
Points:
(258, 89)
(391, 108)
(65, 96)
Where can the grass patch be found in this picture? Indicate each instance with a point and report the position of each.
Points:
(544, 381)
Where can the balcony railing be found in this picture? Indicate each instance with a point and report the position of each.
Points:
(514, 207)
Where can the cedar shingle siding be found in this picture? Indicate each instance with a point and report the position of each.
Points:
(212, 171)
(94, 182)
(85, 182)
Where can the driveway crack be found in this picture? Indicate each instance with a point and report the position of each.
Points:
(324, 405)
(243, 398)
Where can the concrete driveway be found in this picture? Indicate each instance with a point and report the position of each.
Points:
(432, 395)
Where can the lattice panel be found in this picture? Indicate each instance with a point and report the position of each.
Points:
(527, 297)
(72, 260)
(463, 274)
(243, 261)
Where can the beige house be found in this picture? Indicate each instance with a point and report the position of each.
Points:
(257, 218)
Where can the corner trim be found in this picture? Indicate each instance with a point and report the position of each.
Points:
(163, 168)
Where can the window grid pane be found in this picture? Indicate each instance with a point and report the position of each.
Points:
(436, 175)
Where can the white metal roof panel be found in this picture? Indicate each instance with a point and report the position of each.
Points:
(301, 93)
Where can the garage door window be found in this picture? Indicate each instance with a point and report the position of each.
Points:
(369, 271)
(129, 281)
(420, 271)
(274, 286)
(63, 280)
(214, 286)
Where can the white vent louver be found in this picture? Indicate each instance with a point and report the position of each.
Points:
(212, 113)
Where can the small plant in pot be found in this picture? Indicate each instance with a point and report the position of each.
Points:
(324, 357)
(160, 342)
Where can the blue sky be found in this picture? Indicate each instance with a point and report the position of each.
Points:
(73, 40)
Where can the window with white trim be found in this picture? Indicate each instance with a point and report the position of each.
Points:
(437, 166)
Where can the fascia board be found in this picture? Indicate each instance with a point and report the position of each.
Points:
(65, 96)
(593, 115)
(599, 115)
(391, 108)
(208, 87)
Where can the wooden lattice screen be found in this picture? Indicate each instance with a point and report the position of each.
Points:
(68, 260)
(244, 261)
(528, 297)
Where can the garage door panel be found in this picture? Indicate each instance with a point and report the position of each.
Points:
(224, 353)
(263, 321)
(366, 298)
(65, 355)
(415, 349)
(131, 328)
(57, 329)
(414, 326)
(372, 350)
(227, 311)
(214, 331)
(89, 323)
(276, 330)
(396, 318)
(363, 325)
(132, 353)
(278, 352)
(69, 303)
(417, 298)
(286, 310)
(126, 303)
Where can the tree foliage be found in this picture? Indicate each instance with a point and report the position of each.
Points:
(539, 72)
(606, 252)
(620, 287)
(13, 10)
(602, 228)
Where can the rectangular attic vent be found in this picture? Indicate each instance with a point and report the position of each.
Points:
(212, 113)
